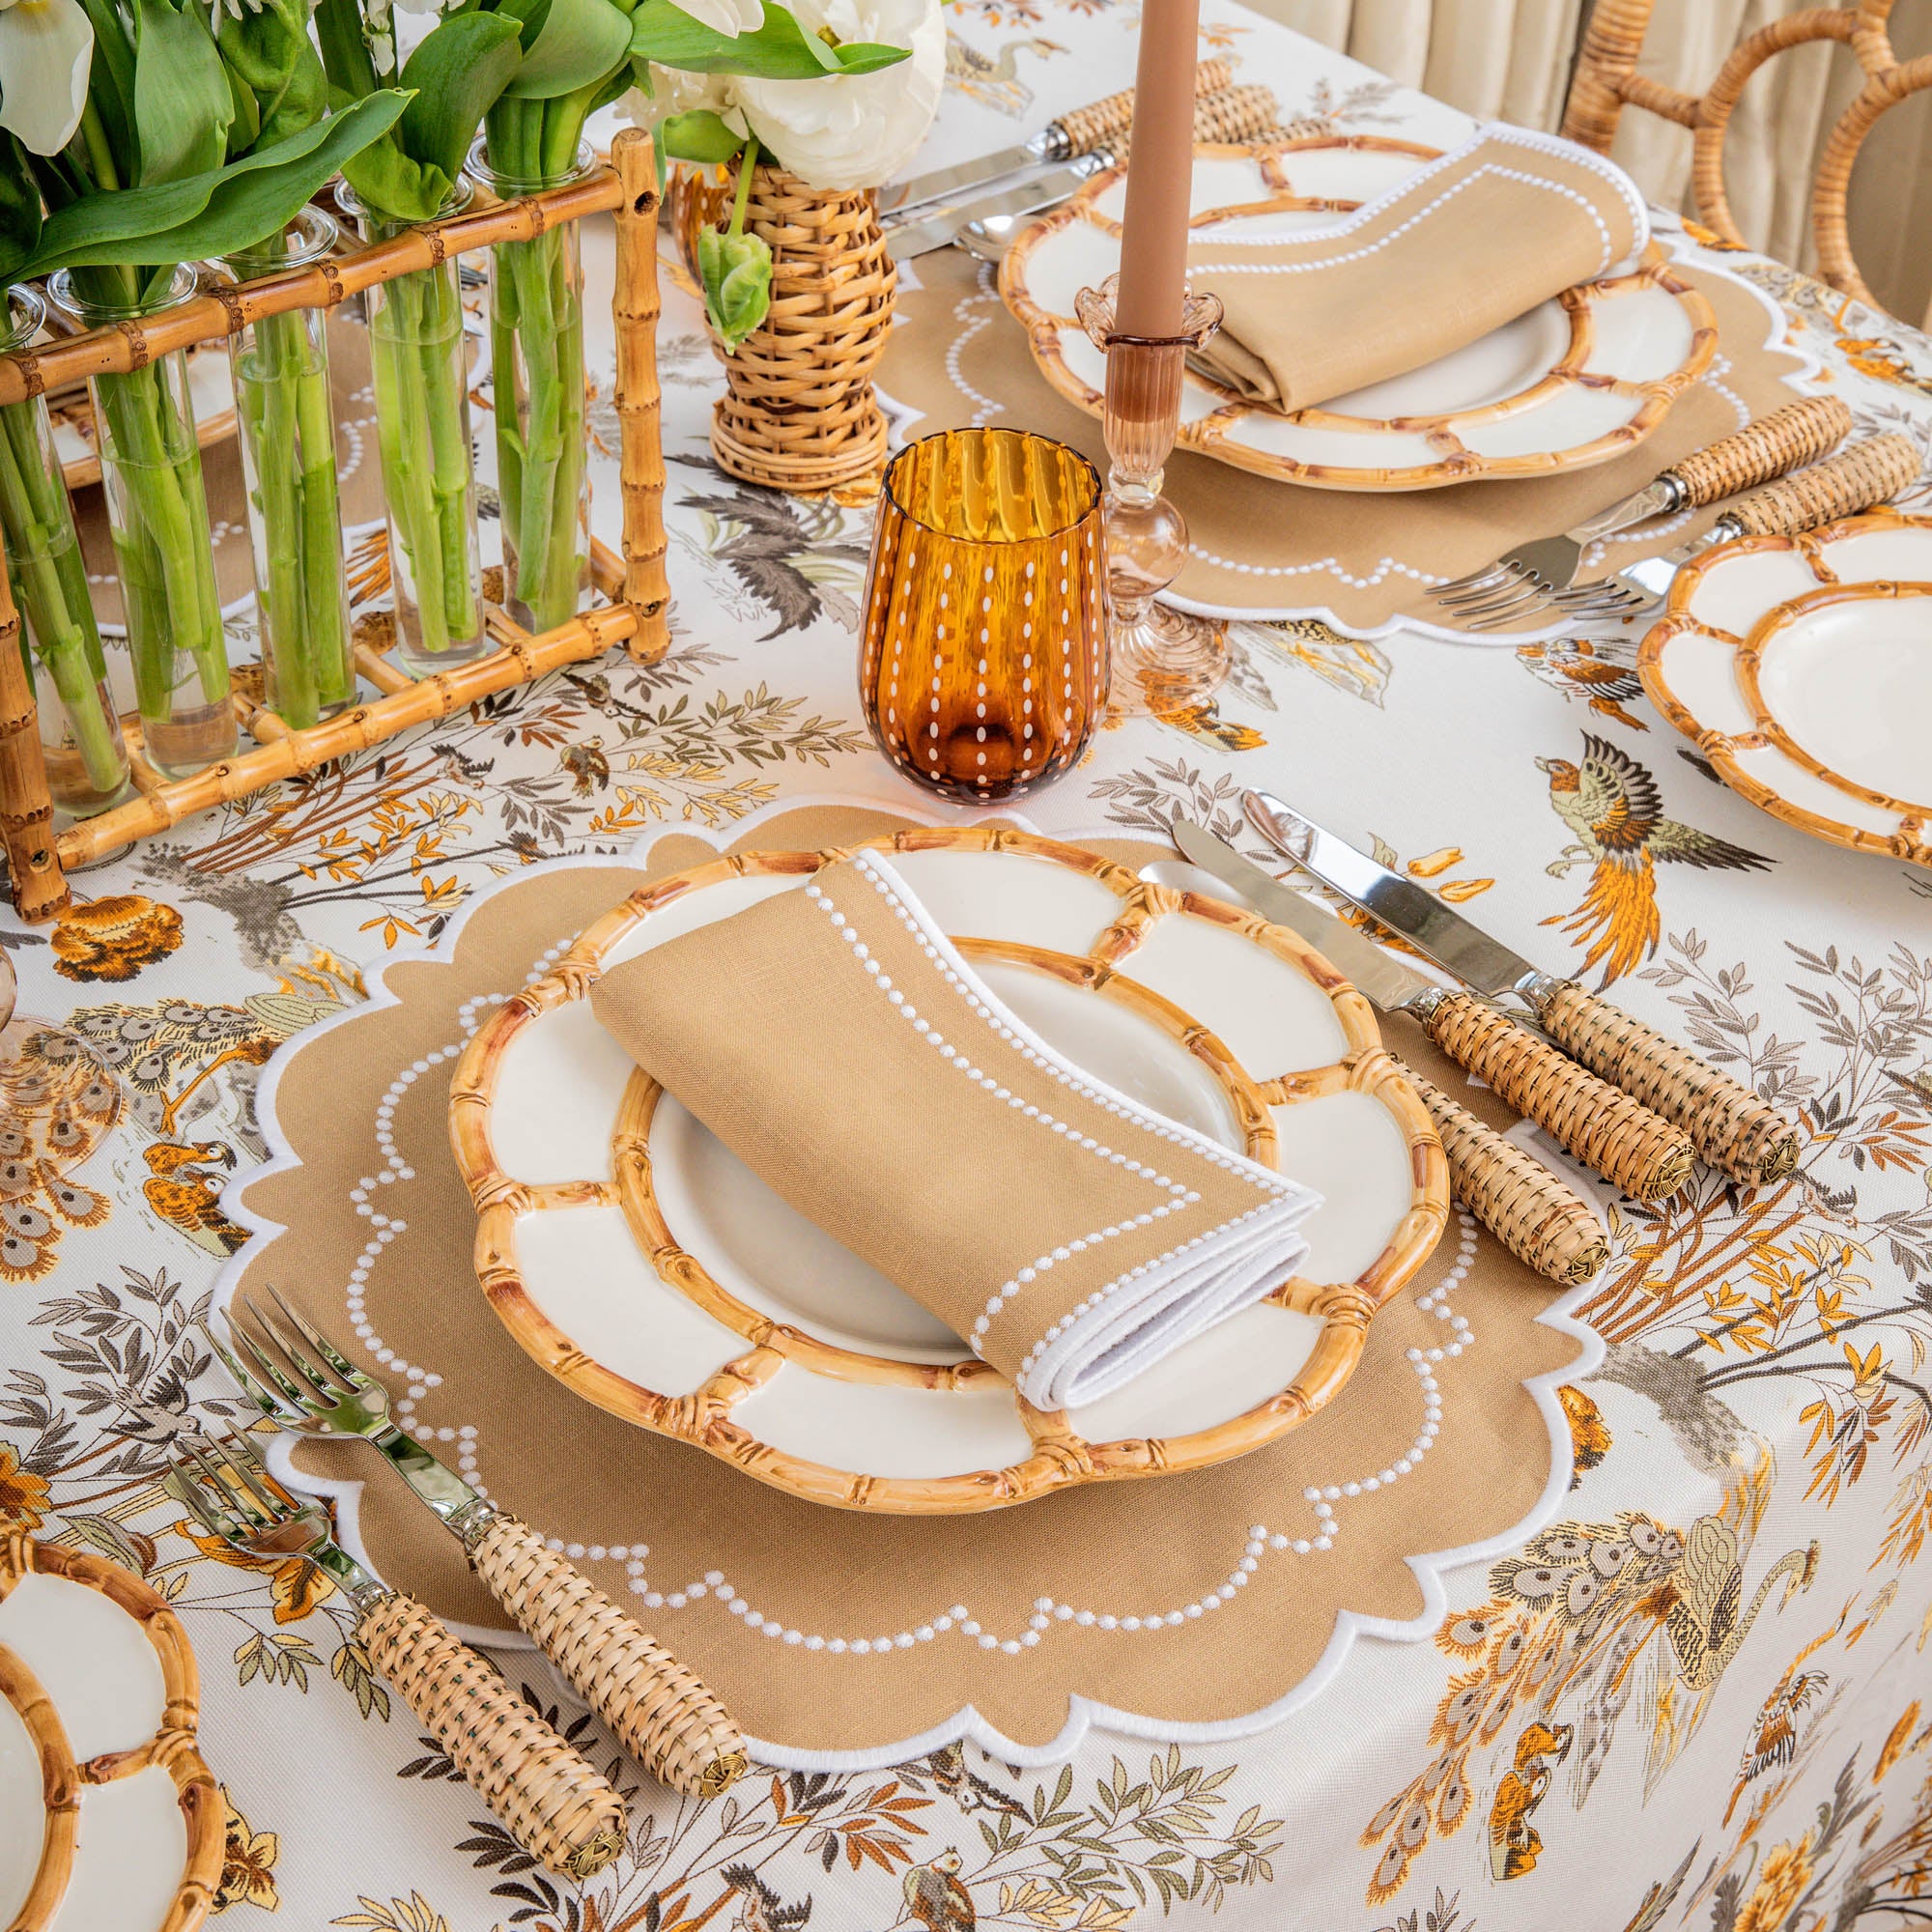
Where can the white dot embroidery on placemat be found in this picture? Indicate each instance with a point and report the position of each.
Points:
(1261, 1542)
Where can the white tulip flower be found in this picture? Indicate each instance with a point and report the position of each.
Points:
(47, 47)
(856, 129)
(729, 17)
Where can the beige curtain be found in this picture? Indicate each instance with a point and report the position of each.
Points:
(1511, 59)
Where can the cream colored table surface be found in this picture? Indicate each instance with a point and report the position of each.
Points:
(1738, 1758)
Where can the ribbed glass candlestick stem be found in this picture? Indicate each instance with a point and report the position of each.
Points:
(1163, 660)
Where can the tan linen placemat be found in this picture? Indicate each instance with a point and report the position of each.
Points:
(1268, 549)
(1458, 247)
(834, 1040)
(651, 1518)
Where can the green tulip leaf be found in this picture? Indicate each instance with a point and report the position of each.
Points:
(110, 82)
(218, 213)
(868, 56)
(181, 104)
(269, 58)
(698, 135)
(579, 43)
(454, 75)
(780, 49)
(736, 271)
(389, 181)
(300, 102)
(20, 206)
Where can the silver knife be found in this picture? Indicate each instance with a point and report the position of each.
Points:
(1076, 131)
(1729, 1125)
(1528, 1208)
(928, 228)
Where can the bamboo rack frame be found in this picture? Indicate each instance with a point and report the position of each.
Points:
(38, 858)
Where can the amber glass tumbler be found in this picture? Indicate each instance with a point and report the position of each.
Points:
(983, 669)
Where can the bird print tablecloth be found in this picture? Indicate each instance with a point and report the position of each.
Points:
(1703, 1698)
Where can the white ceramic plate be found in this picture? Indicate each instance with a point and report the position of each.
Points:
(640, 1262)
(1575, 382)
(96, 1706)
(1803, 667)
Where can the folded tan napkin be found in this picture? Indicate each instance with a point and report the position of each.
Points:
(834, 1039)
(1467, 243)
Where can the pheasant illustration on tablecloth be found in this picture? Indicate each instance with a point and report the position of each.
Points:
(936, 1895)
(1612, 804)
(1595, 672)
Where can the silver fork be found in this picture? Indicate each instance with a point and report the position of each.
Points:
(550, 1797)
(661, 1711)
(1546, 567)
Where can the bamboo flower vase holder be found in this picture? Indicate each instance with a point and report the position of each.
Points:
(633, 586)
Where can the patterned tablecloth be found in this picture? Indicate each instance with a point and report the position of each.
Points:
(1746, 1741)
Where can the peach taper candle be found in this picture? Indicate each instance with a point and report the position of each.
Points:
(1153, 230)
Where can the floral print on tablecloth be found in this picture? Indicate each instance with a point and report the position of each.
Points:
(1703, 1698)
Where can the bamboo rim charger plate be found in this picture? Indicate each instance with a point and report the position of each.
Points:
(639, 1263)
(1801, 668)
(108, 1815)
(1578, 380)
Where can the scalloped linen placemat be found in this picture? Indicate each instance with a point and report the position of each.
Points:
(1196, 1603)
(1264, 548)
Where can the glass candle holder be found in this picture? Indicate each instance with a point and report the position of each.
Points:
(80, 735)
(157, 516)
(280, 367)
(983, 665)
(420, 364)
(1164, 660)
(536, 363)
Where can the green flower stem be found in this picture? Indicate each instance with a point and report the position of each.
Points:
(282, 393)
(417, 342)
(537, 354)
(50, 582)
(163, 544)
(159, 518)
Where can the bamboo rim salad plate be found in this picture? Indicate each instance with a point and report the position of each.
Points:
(108, 1816)
(1801, 667)
(641, 1264)
(1576, 381)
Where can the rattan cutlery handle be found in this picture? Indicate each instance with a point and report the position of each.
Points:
(1525, 1206)
(549, 1796)
(667, 1721)
(1102, 122)
(1854, 480)
(1238, 114)
(1606, 1130)
(1798, 433)
(1728, 1124)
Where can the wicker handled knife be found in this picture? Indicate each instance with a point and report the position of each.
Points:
(1080, 131)
(1730, 1126)
(1539, 1219)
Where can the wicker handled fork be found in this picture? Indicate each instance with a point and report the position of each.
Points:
(550, 1798)
(662, 1713)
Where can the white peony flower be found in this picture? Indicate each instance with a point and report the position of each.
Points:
(730, 17)
(47, 47)
(858, 130)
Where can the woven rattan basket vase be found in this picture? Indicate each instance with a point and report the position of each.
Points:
(799, 412)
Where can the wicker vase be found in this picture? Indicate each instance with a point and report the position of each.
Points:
(799, 412)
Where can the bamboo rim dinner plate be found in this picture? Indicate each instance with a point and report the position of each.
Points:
(1801, 667)
(1578, 380)
(108, 1816)
(641, 1264)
